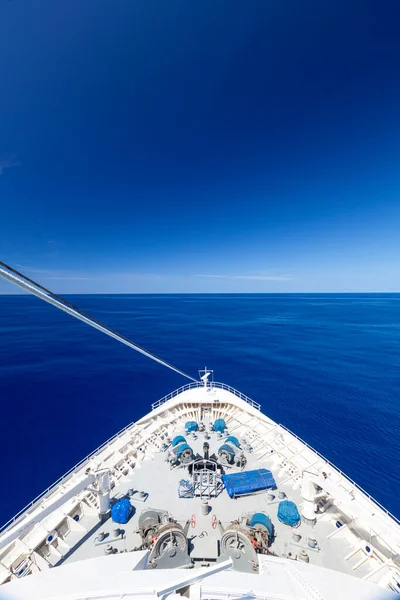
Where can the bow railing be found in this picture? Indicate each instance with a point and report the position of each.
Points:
(210, 385)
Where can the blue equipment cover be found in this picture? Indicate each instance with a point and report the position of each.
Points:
(191, 426)
(263, 519)
(248, 482)
(233, 440)
(181, 448)
(229, 450)
(122, 511)
(220, 425)
(288, 513)
(177, 440)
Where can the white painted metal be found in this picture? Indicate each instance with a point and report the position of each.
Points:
(348, 479)
(364, 549)
(308, 494)
(120, 577)
(213, 384)
(45, 509)
(104, 492)
(185, 581)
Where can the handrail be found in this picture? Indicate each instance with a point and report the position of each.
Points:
(378, 504)
(155, 405)
(213, 384)
(51, 488)
(62, 478)
(70, 472)
(183, 388)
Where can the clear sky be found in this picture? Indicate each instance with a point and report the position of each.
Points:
(212, 146)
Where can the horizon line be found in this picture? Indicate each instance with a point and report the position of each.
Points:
(27, 294)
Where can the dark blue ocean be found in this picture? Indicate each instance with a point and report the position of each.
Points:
(325, 366)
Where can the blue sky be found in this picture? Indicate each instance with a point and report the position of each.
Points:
(227, 146)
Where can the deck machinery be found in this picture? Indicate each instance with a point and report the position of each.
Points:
(165, 538)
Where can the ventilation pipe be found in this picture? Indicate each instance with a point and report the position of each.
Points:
(308, 494)
(104, 488)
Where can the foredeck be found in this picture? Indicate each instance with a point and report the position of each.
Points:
(354, 534)
(160, 482)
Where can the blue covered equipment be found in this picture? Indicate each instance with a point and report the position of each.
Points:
(183, 448)
(288, 513)
(265, 521)
(191, 426)
(122, 511)
(219, 425)
(228, 452)
(178, 440)
(248, 482)
(233, 440)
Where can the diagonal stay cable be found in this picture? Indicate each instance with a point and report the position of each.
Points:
(41, 292)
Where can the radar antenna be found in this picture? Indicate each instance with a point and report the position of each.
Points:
(204, 374)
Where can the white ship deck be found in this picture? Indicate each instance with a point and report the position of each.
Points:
(355, 536)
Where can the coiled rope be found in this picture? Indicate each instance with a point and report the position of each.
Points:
(37, 290)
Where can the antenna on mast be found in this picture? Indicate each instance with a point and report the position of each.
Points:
(204, 375)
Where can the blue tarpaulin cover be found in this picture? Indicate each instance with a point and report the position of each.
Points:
(233, 440)
(219, 425)
(191, 426)
(177, 440)
(288, 513)
(122, 511)
(248, 482)
(181, 448)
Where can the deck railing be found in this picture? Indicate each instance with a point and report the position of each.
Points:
(155, 405)
(69, 473)
(353, 483)
(213, 384)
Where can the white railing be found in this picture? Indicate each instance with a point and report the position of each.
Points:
(213, 384)
(358, 487)
(155, 405)
(183, 388)
(69, 473)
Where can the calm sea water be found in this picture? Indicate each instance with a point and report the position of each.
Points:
(325, 366)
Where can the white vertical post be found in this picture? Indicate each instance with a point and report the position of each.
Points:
(308, 494)
(104, 492)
